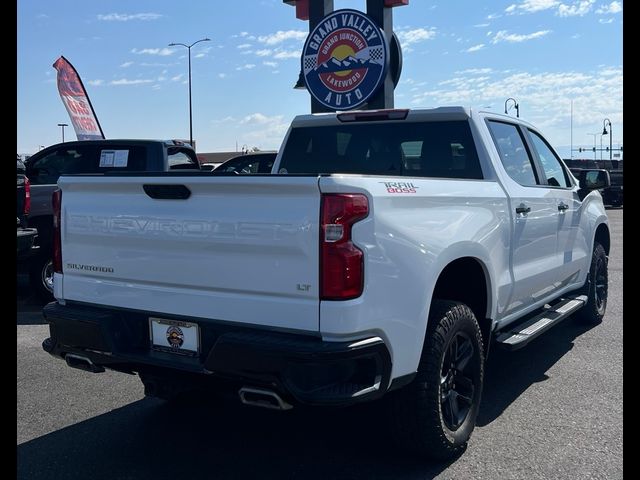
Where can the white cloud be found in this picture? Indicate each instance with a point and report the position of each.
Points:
(222, 75)
(259, 118)
(481, 25)
(475, 71)
(282, 54)
(270, 64)
(126, 64)
(409, 37)
(544, 97)
(612, 8)
(125, 81)
(145, 64)
(155, 87)
(260, 129)
(493, 16)
(281, 36)
(163, 52)
(264, 52)
(243, 46)
(475, 48)
(177, 78)
(580, 8)
(504, 36)
(605, 21)
(96, 83)
(125, 17)
(247, 66)
(531, 6)
(200, 55)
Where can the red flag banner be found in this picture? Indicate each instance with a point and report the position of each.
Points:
(77, 102)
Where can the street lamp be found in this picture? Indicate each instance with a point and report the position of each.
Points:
(62, 125)
(594, 144)
(604, 132)
(188, 47)
(515, 104)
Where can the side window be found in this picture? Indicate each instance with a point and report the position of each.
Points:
(46, 170)
(514, 155)
(556, 176)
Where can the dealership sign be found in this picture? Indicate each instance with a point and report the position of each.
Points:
(345, 60)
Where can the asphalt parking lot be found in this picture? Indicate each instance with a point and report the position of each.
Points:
(551, 410)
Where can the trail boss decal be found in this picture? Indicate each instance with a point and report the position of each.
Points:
(344, 60)
(400, 187)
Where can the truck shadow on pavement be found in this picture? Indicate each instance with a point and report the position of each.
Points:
(220, 438)
(509, 374)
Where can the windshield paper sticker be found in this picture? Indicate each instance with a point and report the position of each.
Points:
(114, 158)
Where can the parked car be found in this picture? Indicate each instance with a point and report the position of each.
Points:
(94, 156)
(23, 198)
(209, 166)
(25, 236)
(248, 163)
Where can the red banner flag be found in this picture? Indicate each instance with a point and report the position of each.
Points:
(77, 102)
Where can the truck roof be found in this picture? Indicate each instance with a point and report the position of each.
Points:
(412, 115)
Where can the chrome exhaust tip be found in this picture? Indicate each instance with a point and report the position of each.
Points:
(259, 397)
(82, 363)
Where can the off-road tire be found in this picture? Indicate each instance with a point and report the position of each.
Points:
(419, 415)
(596, 288)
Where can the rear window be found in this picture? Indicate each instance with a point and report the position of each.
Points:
(85, 159)
(180, 159)
(416, 149)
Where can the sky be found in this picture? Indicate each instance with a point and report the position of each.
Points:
(546, 54)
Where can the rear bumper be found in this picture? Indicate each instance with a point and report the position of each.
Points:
(303, 369)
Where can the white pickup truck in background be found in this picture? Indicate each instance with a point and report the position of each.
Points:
(383, 255)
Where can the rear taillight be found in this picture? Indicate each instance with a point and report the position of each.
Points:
(56, 201)
(27, 196)
(341, 262)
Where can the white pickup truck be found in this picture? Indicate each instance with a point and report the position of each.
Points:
(383, 255)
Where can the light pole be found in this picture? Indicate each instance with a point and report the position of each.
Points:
(604, 132)
(594, 144)
(62, 125)
(601, 135)
(515, 104)
(188, 47)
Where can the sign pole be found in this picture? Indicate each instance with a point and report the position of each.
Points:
(318, 9)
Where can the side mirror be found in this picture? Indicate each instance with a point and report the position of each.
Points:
(594, 179)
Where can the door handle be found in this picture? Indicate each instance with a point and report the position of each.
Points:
(562, 207)
(522, 209)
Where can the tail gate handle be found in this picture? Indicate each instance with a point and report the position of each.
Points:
(167, 192)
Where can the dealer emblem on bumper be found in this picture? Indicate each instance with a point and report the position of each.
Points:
(175, 337)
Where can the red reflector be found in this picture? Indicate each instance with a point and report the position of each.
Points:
(56, 201)
(341, 262)
(397, 114)
(27, 196)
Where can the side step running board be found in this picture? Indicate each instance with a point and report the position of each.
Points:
(519, 335)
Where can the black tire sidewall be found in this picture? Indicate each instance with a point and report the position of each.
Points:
(467, 324)
(590, 314)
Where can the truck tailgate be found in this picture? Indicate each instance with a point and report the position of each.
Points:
(239, 249)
